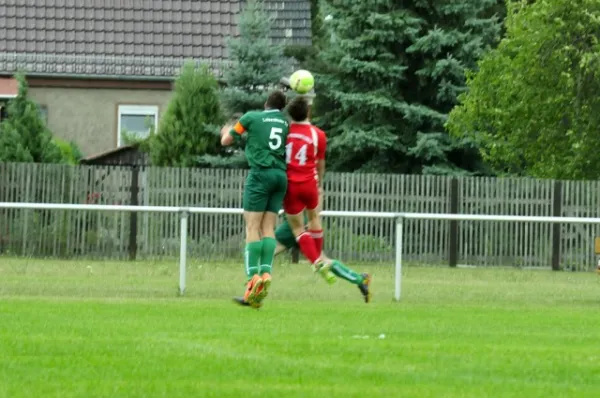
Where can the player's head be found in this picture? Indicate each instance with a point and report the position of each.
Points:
(298, 109)
(276, 100)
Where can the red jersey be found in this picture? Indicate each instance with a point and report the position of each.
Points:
(304, 146)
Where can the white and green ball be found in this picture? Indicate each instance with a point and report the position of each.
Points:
(302, 81)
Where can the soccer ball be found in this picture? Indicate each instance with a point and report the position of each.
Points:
(302, 81)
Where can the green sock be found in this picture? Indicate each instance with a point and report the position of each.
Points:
(252, 258)
(266, 256)
(339, 269)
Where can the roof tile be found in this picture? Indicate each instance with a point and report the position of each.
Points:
(149, 37)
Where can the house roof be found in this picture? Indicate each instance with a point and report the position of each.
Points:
(128, 155)
(144, 39)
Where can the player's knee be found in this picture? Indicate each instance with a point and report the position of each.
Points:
(267, 227)
(296, 224)
(252, 233)
(298, 231)
(253, 226)
(267, 232)
(315, 224)
(314, 219)
(253, 223)
(253, 229)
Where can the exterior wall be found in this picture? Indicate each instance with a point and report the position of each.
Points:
(89, 116)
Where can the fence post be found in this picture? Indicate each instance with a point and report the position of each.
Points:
(556, 227)
(183, 251)
(398, 271)
(453, 231)
(135, 188)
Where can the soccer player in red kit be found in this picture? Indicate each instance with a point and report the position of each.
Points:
(305, 158)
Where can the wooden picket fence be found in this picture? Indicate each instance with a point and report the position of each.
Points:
(120, 235)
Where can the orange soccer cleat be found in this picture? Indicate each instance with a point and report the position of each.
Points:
(253, 288)
(264, 289)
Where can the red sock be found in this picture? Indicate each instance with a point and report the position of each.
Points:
(317, 236)
(307, 247)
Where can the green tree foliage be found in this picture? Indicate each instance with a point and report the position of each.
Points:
(256, 63)
(393, 72)
(24, 136)
(70, 151)
(189, 127)
(256, 67)
(231, 157)
(534, 106)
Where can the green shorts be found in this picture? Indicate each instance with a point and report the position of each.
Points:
(264, 190)
(284, 234)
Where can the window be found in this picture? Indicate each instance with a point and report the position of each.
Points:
(43, 113)
(3, 112)
(135, 121)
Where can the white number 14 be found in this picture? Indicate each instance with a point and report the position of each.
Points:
(300, 156)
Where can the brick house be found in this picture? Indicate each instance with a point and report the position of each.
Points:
(98, 67)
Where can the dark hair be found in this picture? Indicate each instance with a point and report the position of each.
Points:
(276, 100)
(298, 109)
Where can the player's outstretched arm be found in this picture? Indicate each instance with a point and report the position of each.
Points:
(234, 130)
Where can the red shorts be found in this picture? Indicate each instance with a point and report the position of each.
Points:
(300, 196)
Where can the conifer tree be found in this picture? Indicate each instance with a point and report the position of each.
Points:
(393, 73)
(257, 64)
(24, 136)
(189, 127)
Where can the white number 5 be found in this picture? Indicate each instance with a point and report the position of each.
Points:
(275, 138)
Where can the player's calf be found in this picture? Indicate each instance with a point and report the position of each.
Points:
(317, 235)
(309, 249)
(315, 227)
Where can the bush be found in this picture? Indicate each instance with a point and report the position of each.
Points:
(69, 150)
(189, 128)
(24, 136)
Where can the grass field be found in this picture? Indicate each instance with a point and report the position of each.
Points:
(107, 329)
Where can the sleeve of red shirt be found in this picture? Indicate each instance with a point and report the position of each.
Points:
(322, 146)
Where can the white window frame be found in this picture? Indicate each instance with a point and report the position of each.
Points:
(41, 109)
(147, 110)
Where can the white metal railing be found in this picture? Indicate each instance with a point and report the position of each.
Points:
(399, 217)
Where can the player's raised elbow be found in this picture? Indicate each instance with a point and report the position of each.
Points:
(226, 138)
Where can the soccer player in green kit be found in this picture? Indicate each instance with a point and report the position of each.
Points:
(264, 190)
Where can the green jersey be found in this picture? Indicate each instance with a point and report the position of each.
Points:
(267, 134)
